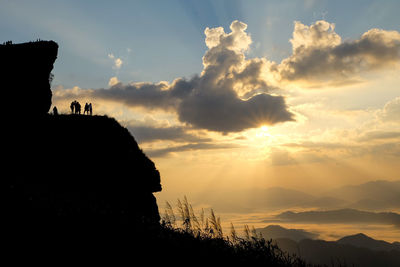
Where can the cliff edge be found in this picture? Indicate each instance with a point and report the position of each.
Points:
(25, 71)
(67, 170)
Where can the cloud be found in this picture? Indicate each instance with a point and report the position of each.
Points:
(117, 61)
(281, 157)
(231, 94)
(225, 112)
(113, 81)
(320, 56)
(145, 133)
(391, 111)
(305, 154)
(237, 39)
(340, 216)
(319, 35)
(379, 135)
(146, 95)
(188, 147)
(375, 144)
(214, 102)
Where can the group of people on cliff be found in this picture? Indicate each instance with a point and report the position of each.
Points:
(76, 108)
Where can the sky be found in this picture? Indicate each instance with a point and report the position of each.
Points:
(233, 96)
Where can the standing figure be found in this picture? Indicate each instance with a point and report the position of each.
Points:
(86, 110)
(77, 108)
(55, 111)
(90, 109)
(72, 106)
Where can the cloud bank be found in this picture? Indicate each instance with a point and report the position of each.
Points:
(320, 56)
(188, 147)
(144, 134)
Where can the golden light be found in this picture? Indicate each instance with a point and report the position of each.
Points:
(262, 131)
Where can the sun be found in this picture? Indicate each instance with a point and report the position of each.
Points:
(262, 131)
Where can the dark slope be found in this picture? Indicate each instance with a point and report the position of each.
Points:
(82, 169)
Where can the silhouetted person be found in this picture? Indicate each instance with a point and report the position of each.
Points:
(86, 110)
(90, 109)
(72, 106)
(55, 111)
(77, 108)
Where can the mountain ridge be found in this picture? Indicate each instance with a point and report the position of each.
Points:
(350, 250)
(339, 216)
(362, 240)
(277, 231)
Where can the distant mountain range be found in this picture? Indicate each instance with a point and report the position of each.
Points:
(364, 241)
(354, 250)
(376, 195)
(277, 231)
(338, 216)
(371, 196)
(332, 253)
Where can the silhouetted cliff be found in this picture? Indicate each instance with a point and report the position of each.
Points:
(83, 169)
(67, 170)
(25, 71)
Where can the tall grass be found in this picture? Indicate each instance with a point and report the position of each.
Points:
(251, 247)
(190, 222)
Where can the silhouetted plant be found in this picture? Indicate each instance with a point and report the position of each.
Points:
(233, 237)
(209, 231)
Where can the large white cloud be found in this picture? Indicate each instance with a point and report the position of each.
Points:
(320, 56)
(214, 102)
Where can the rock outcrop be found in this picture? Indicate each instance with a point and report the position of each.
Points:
(67, 170)
(25, 71)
